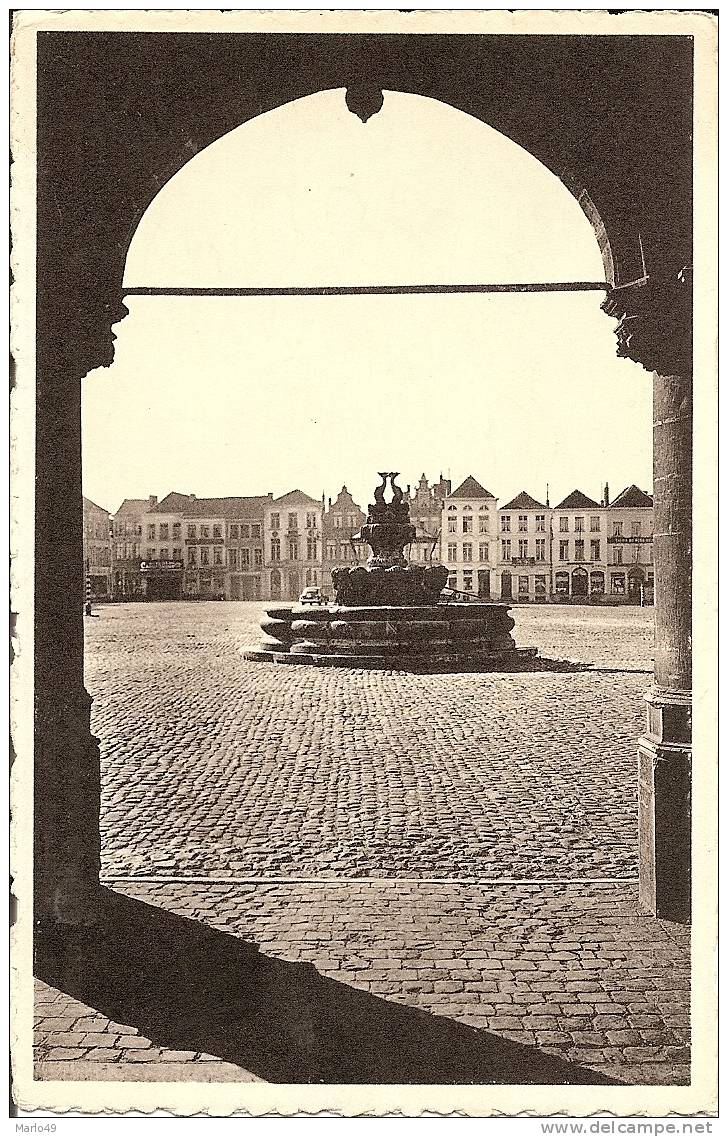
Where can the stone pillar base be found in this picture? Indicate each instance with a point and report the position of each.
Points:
(665, 770)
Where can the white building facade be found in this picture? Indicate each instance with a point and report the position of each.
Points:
(468, 536)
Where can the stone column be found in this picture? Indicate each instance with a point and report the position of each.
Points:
(655, 330)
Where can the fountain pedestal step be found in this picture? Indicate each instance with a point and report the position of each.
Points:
(390, 636)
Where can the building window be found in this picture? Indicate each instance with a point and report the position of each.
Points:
(540, 522)
(579, 550)
(563, 584)
(523, 523)
(192, 531)
(176, 554)
(310, 520)
(563, 550)
(245, 532)
(505, 550)
(311, 549)
(164, 554)
(204, 530)
(452, 524)
(275, 549)
(233, 558)
(505, 523)
(523, 548)
(204, 556)
(233, 532)
(338, 521)
(540, 548)
(483, 551)
(275, 520)
(293, 550)
(636, 528)
(292, 522)
(483, 523)
(343, 552)
(151, 532)
(523, 586)
(595, 525)
(467, 525)
(617, 583)
(596, 583)
(216, 531)
(258, 558)
(244, 558)
(192, 556)
(255, 532)
(452, 553)
(331, 552)
(452, 580)
(164, 531)
(616, 528)
(468, 581)
(578, 524)
(596, 548)
(467, 551)
(540, 586)
(563, 525)
(618, 555)
(217, 556)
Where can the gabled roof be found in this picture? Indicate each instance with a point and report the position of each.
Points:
(229, 507)
(578, 500)
(344, 501)
(172, 503)
(524, 501)
(470, 489)
(87, 502)
(295, 497)
(133, 505)
(632, 498)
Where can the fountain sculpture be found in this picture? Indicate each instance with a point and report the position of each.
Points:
(390, 613)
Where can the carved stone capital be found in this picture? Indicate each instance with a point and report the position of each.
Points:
(655, 325)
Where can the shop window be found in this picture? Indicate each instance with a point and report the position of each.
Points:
(617, 583)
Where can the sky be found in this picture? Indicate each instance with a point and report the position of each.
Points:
(245, 395)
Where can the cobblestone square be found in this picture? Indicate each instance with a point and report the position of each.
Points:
(212, 765)
(446, 863)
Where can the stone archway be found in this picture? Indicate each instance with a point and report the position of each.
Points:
(87, 212)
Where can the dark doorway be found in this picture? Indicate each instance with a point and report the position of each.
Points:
(506, 586)
(580, 583)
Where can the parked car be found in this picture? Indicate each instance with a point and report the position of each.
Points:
(313, 595)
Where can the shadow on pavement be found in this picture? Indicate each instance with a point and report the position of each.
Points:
(188, 987)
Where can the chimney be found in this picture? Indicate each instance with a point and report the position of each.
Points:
(192, 497)
(329, 503)
(548, 503)
(606, 493)
(152, 500)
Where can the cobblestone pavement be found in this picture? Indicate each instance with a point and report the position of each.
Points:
(409, 982)
(215, 766)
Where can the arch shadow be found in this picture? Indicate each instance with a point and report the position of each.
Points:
(189, 987)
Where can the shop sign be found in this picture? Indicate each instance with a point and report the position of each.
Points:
(161, 566)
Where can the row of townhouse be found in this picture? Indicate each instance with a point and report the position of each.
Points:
(526, 550)
(266, 548)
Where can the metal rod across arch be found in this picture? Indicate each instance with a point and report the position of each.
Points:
(369, 289)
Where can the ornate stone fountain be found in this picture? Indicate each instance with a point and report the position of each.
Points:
(390, 613)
